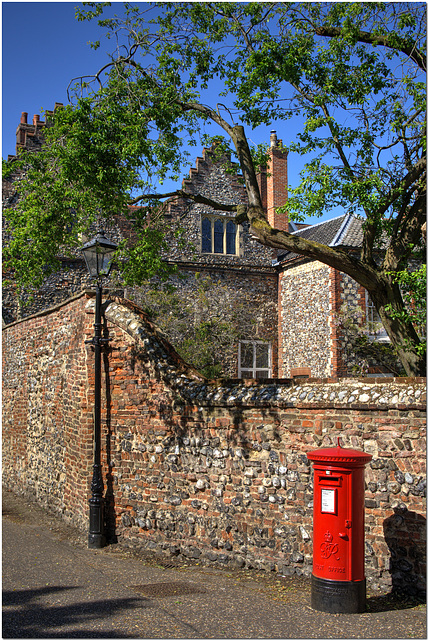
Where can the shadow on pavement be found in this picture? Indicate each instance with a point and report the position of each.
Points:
(392, 602)
(26, 616)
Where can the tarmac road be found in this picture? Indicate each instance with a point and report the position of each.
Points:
(54, 587)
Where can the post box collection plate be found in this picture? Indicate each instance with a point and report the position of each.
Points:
(328, 500)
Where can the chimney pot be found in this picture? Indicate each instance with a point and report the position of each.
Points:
(36, 119)
(24, 115)
(273, 139)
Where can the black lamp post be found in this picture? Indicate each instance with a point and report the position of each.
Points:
(98, 254)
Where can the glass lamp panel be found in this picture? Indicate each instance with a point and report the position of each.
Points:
(105, 260)
(91, 262)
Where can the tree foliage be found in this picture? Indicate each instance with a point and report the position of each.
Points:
(413, 284)
(207, 323)
(349, 76)
(361, 347)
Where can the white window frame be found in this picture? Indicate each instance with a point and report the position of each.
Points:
(374, 323)
(254, 369)
(224, 220)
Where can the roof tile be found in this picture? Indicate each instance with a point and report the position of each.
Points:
(343, 231)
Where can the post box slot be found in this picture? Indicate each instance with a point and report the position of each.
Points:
(331, 480)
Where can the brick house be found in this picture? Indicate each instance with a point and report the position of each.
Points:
(313, 297)
(288, 303)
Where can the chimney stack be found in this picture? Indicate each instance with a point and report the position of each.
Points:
(277, 183)
(29, 135)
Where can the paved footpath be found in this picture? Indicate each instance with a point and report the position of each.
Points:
(54, 587)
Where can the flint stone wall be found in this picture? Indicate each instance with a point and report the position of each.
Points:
(213, 470)
(305, 310)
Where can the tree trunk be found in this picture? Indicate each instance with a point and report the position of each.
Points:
(384, 293)
(403, 336)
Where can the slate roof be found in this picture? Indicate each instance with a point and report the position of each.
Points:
(343, 231)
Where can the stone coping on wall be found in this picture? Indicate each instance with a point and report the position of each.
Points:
(236, 268)
(342, 393)
(45, 312)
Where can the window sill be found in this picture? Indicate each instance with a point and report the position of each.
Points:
(381, 338)
(224, 255)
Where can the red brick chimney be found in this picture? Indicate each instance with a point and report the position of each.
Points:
(277, 183)
(29, 135)
(273, 183)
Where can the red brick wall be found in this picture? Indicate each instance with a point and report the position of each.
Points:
(262, 182)
(214, 471)
(47, 425)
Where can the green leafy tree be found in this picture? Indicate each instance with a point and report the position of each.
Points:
(362, 351)
(413, 284)
(207, 323)
(353, 74)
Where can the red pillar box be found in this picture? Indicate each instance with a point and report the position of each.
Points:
(338, 580)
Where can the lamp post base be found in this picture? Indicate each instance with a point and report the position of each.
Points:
(96, 541)
(96, 537)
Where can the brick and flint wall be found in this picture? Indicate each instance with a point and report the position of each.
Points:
(217, 470)
(314, 300)
(304, 319)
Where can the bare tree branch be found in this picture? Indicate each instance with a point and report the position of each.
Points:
(405, 46)
(199, 199)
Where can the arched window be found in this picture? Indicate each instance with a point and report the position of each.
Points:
(218, 235)
(206, 236)
(230, 238)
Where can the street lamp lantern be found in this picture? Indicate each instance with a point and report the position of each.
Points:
(98, 254)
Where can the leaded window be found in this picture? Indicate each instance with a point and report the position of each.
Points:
(219, 235)
(374, 323)
(206, 235)
(255, 359)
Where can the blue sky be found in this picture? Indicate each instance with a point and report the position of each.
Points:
(44, 47)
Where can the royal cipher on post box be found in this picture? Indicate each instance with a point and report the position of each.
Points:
(338, 579)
